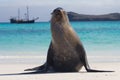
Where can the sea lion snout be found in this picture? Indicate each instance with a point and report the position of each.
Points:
(57, 11)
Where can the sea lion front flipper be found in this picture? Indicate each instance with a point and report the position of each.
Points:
(83, 58)
(50, 55)
(47, 65)
(82, 55)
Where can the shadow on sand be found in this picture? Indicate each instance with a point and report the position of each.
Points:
(27, 73)
(30, 73)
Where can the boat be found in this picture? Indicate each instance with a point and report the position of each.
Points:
(25, 20)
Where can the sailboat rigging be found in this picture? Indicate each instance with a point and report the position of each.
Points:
(26, 20)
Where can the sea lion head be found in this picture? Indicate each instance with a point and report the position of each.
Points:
(59, 15)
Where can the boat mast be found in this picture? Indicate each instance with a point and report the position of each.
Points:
(27, 13)
(18, 14)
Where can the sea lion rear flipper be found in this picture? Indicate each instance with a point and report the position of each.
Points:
(92, 70)
(36, 68)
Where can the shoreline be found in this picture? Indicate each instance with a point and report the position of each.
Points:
(41, 59)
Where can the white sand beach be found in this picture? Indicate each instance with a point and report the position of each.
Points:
(82, 75)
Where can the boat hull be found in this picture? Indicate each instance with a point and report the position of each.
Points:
(21, 21)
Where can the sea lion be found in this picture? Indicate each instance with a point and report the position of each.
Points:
(66, 52)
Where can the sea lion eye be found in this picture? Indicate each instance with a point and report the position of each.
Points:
(56, 12)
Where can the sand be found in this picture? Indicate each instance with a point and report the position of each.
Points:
(82, 75)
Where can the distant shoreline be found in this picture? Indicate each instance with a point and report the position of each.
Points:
(86, 17)
(75, 17)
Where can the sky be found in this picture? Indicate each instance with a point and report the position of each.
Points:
(43, 8)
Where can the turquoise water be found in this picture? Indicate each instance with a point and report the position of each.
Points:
(24, 39)
(99, 38)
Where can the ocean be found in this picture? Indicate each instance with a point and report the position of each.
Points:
(28, 43)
